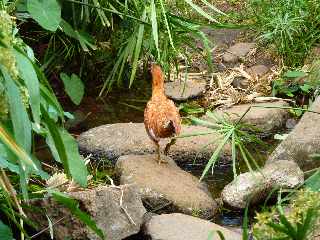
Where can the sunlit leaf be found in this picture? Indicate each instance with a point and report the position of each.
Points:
(46, 12)
(29, 75)
(294, 74)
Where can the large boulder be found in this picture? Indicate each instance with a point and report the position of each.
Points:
(266, 119)
(302, 141)
(103, 204)
(255, 186)
(109, 142)
(181, 227)
(166, 185)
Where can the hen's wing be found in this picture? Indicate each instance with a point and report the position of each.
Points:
(161, 119)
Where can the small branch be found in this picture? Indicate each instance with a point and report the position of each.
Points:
(45, 229)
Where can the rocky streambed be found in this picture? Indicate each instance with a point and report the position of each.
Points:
(167, 201)
(164, 201)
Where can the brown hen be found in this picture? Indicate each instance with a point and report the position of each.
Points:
(161, 117)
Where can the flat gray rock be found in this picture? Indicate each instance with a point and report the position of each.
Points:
(303, 141)
(103, 204)
(182, 227)
(166, 185)
(181, 91)
(257, 185)
(266, 119)
(237, 51)
(258, 70)
(109, 142)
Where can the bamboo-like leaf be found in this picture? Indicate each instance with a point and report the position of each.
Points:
(154, 23)
(138, 47)
(215, 154)
(201, 11)
(102, 15)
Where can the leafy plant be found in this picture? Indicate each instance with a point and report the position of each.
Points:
(29, 108)
(302, 83)
(291, 26)
(236, 135)
(126, 35)
(299, 222)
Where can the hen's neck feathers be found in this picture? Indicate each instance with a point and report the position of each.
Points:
(157, 82)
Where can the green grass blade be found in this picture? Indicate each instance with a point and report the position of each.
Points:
(154, 24)
(244, 156)
(234, 155)
(164, 13)
(215, 155)
(245, 224)
(138, 47)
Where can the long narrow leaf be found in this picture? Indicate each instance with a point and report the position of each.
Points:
(215, 155)
(155, 26)
(138, 48)
(201, 11)
(29, 76)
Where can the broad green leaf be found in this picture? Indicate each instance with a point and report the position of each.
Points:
(85, 40)
(29, 76)
(19, 116)
(25, 159)
(4, 163)
(294, 74)
(67, 149)
(46, 12)
(138, 47)
(73, 206)
(73, 87)
(5, 232)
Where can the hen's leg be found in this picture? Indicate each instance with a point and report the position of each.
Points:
(158, 153)
(166, 150)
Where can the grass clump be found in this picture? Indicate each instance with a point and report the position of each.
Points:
(292, 26)
(299, 221)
